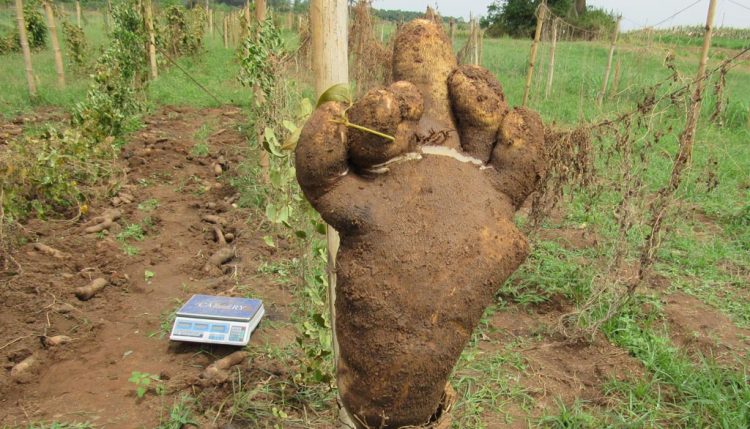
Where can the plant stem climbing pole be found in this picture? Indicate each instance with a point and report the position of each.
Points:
(59, 68)
(25, 48)
(330, 58)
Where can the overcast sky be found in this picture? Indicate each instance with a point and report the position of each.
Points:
(636, 13)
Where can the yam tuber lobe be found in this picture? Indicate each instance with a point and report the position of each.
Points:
(104, 222)
(219, 258)
(49, 251)
(85, 293)
(426, 244)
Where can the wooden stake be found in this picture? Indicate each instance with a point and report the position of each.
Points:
(328, 24)
(548, 90)
(683, 157)
(78, 13)
(616, 79)
(226, 32)
(609, 61)
(260, 10)
(481, 47)
(148, 14)
(265, 161)
(25, 48)
(59, 67)
(532, 56)
(688, 136)
(453, 31)
(211, 22)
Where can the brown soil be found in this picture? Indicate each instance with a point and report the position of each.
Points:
(118, 330)
(699, 328)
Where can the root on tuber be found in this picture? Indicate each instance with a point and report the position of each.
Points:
(55, 341)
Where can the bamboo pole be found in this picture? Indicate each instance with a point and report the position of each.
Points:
(59, 67)
(328, 24)
(25, 48)
(534, 47)
(475, 38)
(148, 14)
(551, 75)
(78, 14)
(211, 22)
(607, 71)
(481, 46)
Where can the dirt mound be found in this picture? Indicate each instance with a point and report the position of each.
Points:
(699, 328)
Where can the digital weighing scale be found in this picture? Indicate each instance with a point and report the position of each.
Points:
(217, 320)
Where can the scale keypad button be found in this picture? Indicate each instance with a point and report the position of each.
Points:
(237, 333)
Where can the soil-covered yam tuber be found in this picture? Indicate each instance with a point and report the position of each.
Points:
(104, 222)
(49, 251)
(217, 373)
(221, 257)
(85, 293)
(427, 241)
(20, 371)
(55, 341)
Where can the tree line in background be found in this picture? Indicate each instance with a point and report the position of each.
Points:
(516, 18)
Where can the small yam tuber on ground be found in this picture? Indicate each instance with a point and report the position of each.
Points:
(221, 257)
(85, 293)
(216, 220)
(21, 370)
(55, 341)
(217, 372)
(425, 218)
(50, 251)
(104, 222)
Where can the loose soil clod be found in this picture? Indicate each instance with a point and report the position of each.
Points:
(85, 293)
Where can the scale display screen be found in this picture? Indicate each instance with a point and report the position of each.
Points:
(217, 320)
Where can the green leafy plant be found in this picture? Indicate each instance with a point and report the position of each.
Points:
(148, 205)
(143, 382)
(75, 45)
(148, 276)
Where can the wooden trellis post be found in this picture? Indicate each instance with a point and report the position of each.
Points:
(616, 79)
(548, 90)
(534, 47)
(25, 48)
(453, 31)
(148, 14)
(59, 67)
(328, 24)
(78, 14)
(609, 61)
(684, 154)
(226, 32)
